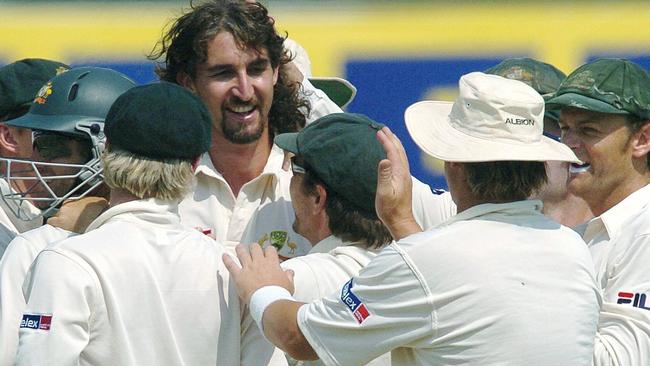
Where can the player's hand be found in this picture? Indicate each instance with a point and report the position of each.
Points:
(394, 188)
(286, 163)
(259, 268)
(76, 215)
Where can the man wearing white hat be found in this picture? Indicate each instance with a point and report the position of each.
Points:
(499, 283)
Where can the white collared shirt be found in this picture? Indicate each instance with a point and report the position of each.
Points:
(138, 288)
(324, 270)
(619, 242)
(496, 284)
(14, 265)
(261, 212)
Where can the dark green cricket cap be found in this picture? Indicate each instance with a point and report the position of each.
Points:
(159, 121)
(20, 81)
(544, 78)
(343, 151)
(615, 86)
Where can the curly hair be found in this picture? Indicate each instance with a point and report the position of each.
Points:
(184, 46)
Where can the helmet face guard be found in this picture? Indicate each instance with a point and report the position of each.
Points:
(35, 183)
(71, 105)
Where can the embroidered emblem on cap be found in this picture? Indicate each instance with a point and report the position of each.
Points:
(43, 93)
(353, 303)
(36, 321)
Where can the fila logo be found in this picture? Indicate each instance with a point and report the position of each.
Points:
(637, 300)
(353, 303)
(36, 321)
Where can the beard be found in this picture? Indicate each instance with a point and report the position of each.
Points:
(240, 134)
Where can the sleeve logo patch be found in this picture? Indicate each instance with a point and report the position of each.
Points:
(353, 303)
(637, 300)
(36, 321)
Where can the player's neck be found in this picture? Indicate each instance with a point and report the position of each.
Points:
(118, 196)
(239, 163)
(571, 211)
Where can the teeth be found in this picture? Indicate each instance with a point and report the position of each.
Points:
(577, 168)
(242, 108)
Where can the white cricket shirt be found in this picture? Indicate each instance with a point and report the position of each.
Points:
(496, 284)
(619, 242)
(138, 288)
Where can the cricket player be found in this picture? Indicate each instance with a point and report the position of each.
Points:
(243, 74)
(337, 215)
(68, 141)
(605, 110)
(559, 204)
(139, 288)
(499, 283)
(20, 81)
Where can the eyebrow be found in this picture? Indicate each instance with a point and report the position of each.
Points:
(257, 62)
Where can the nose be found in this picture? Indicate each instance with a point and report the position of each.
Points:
(570, 139)
(244, 88)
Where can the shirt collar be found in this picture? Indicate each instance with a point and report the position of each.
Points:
(516, 208)
(614, 218)
(157, 211)
(326, 245)
(273, 167)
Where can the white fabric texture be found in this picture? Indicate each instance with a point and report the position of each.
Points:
(619, 242)
(496, 284)
(138, 288)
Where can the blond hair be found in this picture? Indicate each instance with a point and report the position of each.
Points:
(168, 179)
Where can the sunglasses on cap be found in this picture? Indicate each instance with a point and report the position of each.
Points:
(297, 165)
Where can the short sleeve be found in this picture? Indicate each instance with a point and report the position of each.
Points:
(386, 306)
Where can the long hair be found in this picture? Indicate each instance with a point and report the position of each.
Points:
(505, 180)
(184, 46)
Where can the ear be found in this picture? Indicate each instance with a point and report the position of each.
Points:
(7, 140)
(186, 81)
(319, 198)
(641, 142)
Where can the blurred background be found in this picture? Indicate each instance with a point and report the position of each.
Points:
(394, 52)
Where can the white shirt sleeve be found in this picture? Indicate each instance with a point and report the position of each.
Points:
(59, 288)
(320, 103)
(431, 206)
(624, 328)
(384, 307)
(13, 268)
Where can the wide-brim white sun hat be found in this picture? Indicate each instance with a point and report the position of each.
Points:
(493, 119)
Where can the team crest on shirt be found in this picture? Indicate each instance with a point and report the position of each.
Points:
(43, 93)
(353, 303)
(36, 321)
(636, 299)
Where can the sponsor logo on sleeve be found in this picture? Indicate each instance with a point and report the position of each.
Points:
(353, 303)
(636, 299)
(36, 321)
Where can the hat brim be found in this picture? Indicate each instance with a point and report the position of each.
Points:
(287, 141)
(429, 125)
(339, 90)
(582, 102)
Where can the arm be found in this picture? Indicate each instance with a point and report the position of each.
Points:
(261, 269)
(59, 296)
(394, 188)
(623, 336)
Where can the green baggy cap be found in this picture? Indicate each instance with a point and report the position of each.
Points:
(615, 86)
(21, 80)
(159, 121)
(544, 78)
(343, 151)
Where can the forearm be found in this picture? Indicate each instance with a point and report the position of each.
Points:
(281, 328)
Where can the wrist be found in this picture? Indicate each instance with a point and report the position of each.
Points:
(262, 298)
